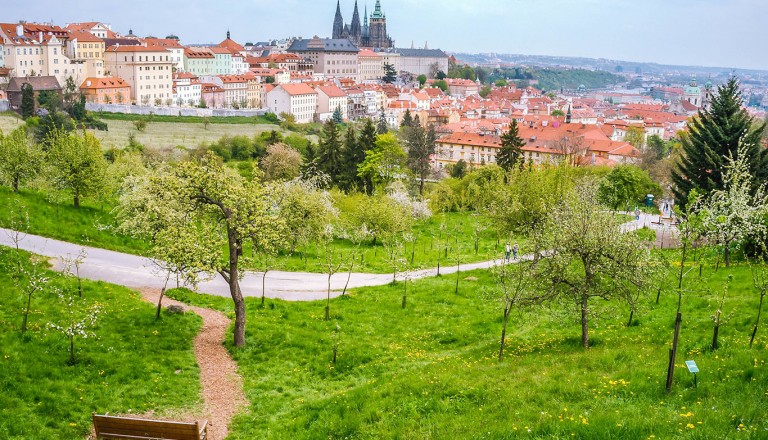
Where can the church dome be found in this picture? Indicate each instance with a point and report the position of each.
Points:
(693, 88)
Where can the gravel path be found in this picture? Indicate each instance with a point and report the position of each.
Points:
(222, 385)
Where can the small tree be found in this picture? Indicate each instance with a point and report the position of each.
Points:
(588, 256)
(78, 164)
(20, 159)
(140, 124)
(735, 212)
(760, 281)
(75, 319)
(422, 79)
(635, 136)
(385, 163)
(338, 116)
(512, 287)
(421, 148)
(27, 100)
(329, 155)
(281, 163)
(331, 263)
(381, 125)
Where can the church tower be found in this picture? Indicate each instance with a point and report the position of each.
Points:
(338, 22)
(355, 30)
(378, 36)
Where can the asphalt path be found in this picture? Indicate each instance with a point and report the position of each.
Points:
(140, 272)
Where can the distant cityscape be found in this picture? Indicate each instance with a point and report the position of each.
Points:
(360, 72)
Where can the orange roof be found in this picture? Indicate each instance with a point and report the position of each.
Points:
(298, 89)
(231, 45)
(367, 53)
(333, 91)
(163, 42)
(197, 53)
(104, 83)
(220, 50)
(84, 36)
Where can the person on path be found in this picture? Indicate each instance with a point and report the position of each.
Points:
(507, 251)
(515, 248)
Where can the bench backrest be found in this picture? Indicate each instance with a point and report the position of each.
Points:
(111, 427)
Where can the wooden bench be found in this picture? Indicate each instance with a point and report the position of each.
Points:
(111, 427)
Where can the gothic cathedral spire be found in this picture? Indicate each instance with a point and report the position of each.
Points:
(338, 22)
(355, 30)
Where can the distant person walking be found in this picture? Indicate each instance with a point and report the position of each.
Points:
(515, 248)
(507, 251)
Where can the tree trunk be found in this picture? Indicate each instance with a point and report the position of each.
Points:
(263, 287)
(631, 315)
(328, 303)
(77, 200)
(349, 275)
(79, 280)
(504, 332)
(757, 321)
(421, 187)
(72, 350)
(405, 291)
(673, 351)
(716, 330)
(160, 303)
(458, 271)
(585, 321)
(658, 294)
(727, 255)
(16, 184)
(231, 276)
(29, 304)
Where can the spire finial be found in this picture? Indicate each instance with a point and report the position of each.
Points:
(227, 34)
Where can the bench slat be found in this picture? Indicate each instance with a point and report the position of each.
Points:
(111, 427)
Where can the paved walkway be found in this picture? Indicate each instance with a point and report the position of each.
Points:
(139, 272)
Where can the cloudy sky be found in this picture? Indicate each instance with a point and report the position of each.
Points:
(723, 33)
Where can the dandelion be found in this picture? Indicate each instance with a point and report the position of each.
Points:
(690, 426)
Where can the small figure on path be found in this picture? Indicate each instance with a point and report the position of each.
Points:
(507, 251)
(515, 248)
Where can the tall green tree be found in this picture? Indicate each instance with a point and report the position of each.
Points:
(20, 158)
(421, 147)
(511, 151)
(385, 162)
(27, 100)
(716, 134)
(381, 125)
(78, 164)
(213, 211)
(329, 153)
(366, 142)
(407, 120)
(635, 136)
(352, 157)
(338, 116)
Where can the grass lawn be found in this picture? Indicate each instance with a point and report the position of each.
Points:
(430, 370)
(134, 364)
(93, 225)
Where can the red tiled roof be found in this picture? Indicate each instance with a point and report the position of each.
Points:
(104, 83)
(298, 89)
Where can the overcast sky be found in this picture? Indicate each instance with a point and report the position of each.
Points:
(723, 33)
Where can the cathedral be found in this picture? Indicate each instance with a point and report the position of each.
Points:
(372, 33)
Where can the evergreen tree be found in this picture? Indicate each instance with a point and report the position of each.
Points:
(716, 134)
(511, 152)
(27, 100)
(338, 116)
(329, 154)
(366, 142)
(390, 75)
(352, 156)
(407, 120)
(421, 147)
(381, 126)
(416, 121)
(78, 109)
(459, 169)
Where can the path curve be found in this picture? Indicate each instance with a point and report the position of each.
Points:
(140, 272)
(222, 386)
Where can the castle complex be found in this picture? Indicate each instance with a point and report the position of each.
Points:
(372, 33)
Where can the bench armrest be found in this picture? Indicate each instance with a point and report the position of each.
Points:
(204, 430)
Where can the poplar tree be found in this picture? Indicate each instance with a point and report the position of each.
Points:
(511, 152)
(27, 100)
(716, 134)
(352, 156)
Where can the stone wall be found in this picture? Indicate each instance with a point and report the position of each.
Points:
(170, 111)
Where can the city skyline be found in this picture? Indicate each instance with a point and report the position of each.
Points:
(657, 32)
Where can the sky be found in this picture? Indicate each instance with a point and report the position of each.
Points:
(721, 33)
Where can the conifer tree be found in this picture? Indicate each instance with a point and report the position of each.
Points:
(366, 142)
(381, 125)
(511, 152)
(329, 154)
(27, 101)
(352, 156)
(421, 147)
(338, 117)
(716, 134)
(407, 120)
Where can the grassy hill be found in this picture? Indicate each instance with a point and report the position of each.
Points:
(430, 371)
(133, 364)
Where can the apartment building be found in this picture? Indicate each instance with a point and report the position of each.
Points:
(331, 58)
(299, 100)
(110, 90)
(370, 66)
(85, 48)
(38, 50)
(148, 70)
